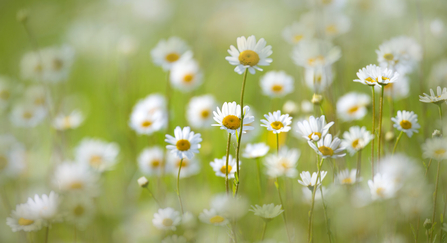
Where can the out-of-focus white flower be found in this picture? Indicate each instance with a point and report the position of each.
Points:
(307, 194)
(213, 217)
(149, 115)
(276, 122)
(397, 90)
(283, 164)
(48, 208)
(143, 181)
(167, 52)
(127, 45)
(257, 150)
(315, 53)
(199, 111)
(314, 129)
(249, 54)
(24, 217)
(186, 75)
(435, 148)
(190, 167)
(440, 96)
(220, 168)
(267, 211)
(310, 181)
(383, 187)
(306, 106)
(233, 208)
(152, 10)
(150, 161)
(319, 78)
(346, 177)
(70, 121)
(352, 106)
(437, 27)
(37, 95)
(185, 143)
(297, 32)
(276, 84)
(166, 219)
(335, 24)
(328, 148)
(12, 157)
(75, 178)
(229, 118)
(189, 220)
(97, 154)
(367, 75)
(407, 122)
(356, 139)
(400, 54)
(80, 210)
(27, 115)
(290, 107)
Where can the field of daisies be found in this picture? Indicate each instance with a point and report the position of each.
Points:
(251, 121)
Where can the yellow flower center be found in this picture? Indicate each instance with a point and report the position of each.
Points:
(205, 113)
(67, 122)
(39, 101)
(353, 109)
(284, 164)
(380, 191)
(405, 124)
(38, 68)
(314, 133)
(3, 162)
(388, 86)
(25, 222)
(188, 78)
(172, 57)
(183, 145)
(347, 181)
(277, 125)
(155, 163)
(76, 185)
(78, 210)
(438, 152)
(326, 151)
(27, 115)
(331, 29)
(95, 161)
(231, 122)
(355, 143)
(297, 38)
(216, 219)
(388, 56)
(57, 64)
(224, 169)
(4, 94)
(167, 222)
(277, 88)
(146, 124)
(313, 61)
(249, 58)
(369, 79)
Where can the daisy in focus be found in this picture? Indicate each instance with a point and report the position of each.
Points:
(346, 177)
(185, 143)
(168, 52)
(311, 181)
(229, 118)
(97, 154)
(70, 121)
(150, 161)
(435, 148)
(166, 219)
(276, 84)
(407, 122)
(356, 139)
(220, 168)
(314, 129)
(276, 122)
(267, 211)
(328, 148)
(249, 54)
(199, 111)
(257, 150)
(353, 106)
(366, 75)
(283, 164)
(439, 97)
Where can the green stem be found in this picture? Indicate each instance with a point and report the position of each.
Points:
(277, 144)
(326, 217)
(373, 95)
(47, 232)
(168, 109)
(309, 233)
(226, 164)
(259, 176)
(440, 115)
(435, 194)
(359, 166)
(178, 185)
(264, 230)
(397, 141)
(428, 167)
(380, 123)
(152, 195)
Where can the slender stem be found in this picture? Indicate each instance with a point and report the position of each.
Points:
(152, 195)
(284, 208)
(443, 215)
(359, 166)
(329, 233)
(428, 167)
(397, 141)
(263, 231)
(75, 235)
(380, 123)
(168, 110)
(435, 195)
(240, 131)
(233, 229)
(259, 176)
(277, 144)
(440, 115)
(373, 95)
(226, 164)
(47, 231)
(178, 185)
(309, 238)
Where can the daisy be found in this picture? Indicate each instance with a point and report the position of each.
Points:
(267, 211)
(57, 62)
(80, 210)
(75, 178)
(37, 95)
(186, 75)
(220, 168)
(397, 90)
(213, 217)
(276, 84)
(435, 148)
(190, 167)
(315, 53)
(276, 122)
(167, 52)
(147, 123)
(296, 32)
(229, 118)
(328, 148)
(152, 104)
(352, 106)
(185, 143)
(249, 54)
(283, 164)
(97, 154)
(230, 206)
(290, 107)
(346, 177)
(47, 207)
(310, 181)
(382, 187)
(174, 239)
(399, 53)
(166, 219)
(70, 121)
(150, 161)
(407, 122)
(439, 97)
(384, 76)
(189, 220)
(25, 218)
(356, 139)
(314, 129)
(367, 75)
(319, 78)
(199, 111)
(27, 115)
(335, 24)
(12, 157)
(257, 150)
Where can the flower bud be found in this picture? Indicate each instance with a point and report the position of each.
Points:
(428, 224)
(316, 99)
(389, 136)
(143, 182)
(436, 134)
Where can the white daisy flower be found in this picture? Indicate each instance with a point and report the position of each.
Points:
(314, 129)
(12, 157)
(27, 115)
(174, 239)
(213, 217)
(97, 154)
(276, 84)
(367, 75)
(257, 150)
(383, 187)
(346, 177)
(70, 121)
(149, 115)
(315, 53)
(310, 181)
(435, 148)
(150, 161)
(38, 96)
(336, 24)
(383, 76)
(167, 52)
(166, 219)
(297, 32)
(356, 139)
(75, 178)
(232, 207)
(199, 111)
(319, 78)
(47, 207)
(328, 148)
(397, 90)
(440, 96)
(352, 106)
(276, 122)
(25, 218)
(283, 164)
(185, 143)
(152, 104)
(267, 211)
(80, 210)
(407, 122)
(189, 221)
(399, 53)
(219, 166)
(31, 66)
(249, 54)
(186, 75)
(229, 118)
(190, 167)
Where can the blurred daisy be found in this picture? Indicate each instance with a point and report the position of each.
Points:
(146, 123)
(382, 187)
(276, 122)
(185, 143)
(276, 84)
(127, 45)
(407, 122)
(319, 78)
(336, 24)
(229, 118)
(186, 75)
(199, 111)
(219, 166)
(24, 217)
(267, 211)
(257, 150)
(440, 96)
(75, 178)
(48, 208)
(167, 52)
(37, 96)
(399, 53)
(290, 107)
(296, 32)
(346, 177)
(314, 53)
(307, 106)
(397, 90)
(31, 66)
(310, 181)
(328, 148)
(435, 148)
(211, 216)
(174, 239)
(57, 62)
(166, 219)
(356, 139)
(80, 210)
(232, 207)
(27, 115)
(70, 121)
(189, 220)
(152, 104)
(249, 54)
(12, 157)
(190, 167)
(314, 129)
(150, 161)
(352, 106)
(97, 154)
(283, 164)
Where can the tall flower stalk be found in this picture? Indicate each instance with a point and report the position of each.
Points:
(373, 96)
(178, 185)
(227, 188)
(309, 227)
(380, 122)
(239, 136)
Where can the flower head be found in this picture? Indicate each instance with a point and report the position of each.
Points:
(212, 216)
(168, 52)
(435, 148)
(24, 217)
(311, 181)
(150, 161)
(185, 143)
(97, 154)
(314, 129)
(267, 211)
(249, 54)
(70, 121)
(315, 53)
(352, 106)
(328, 148)
(440, 96)
(199, 112)
(276, 122)
(356, 139)
(166, 219)
(220, 168)
(407, 122)
(383, 187)
(283, 164)
(47, 208)
(190, 167)
(276, 84)
(346, 177)
(230, 117)
(75, 178)
(186, 75)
